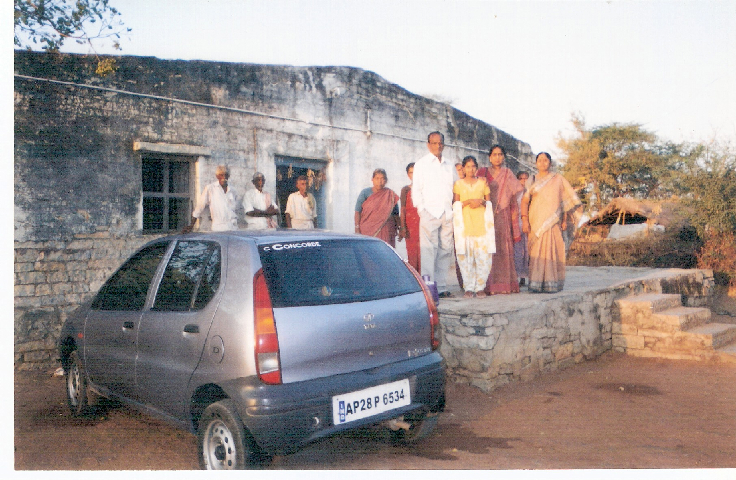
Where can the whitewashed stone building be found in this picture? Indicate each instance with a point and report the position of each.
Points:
(102, 165)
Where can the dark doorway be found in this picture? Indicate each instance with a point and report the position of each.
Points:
(288, 169)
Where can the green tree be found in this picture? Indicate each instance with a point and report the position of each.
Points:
(581, 162)
(621, 160)
(52, 22)
(709, 187)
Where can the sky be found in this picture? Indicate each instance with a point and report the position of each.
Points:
(522, 66)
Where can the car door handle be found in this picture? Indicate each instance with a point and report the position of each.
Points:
(191, 328)
(128, 325)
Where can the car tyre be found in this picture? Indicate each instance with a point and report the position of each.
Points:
(77, 393)
(223, 441)
(421, 425)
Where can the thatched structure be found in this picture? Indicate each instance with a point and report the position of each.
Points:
(628, 211)
(628, 219)
(616, 219)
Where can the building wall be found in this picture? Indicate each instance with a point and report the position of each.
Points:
(79, 140)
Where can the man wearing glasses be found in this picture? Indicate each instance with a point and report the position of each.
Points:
(432, 196)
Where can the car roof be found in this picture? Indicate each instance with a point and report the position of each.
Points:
(261, 237)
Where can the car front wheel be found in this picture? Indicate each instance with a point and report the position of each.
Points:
(224, 444)
(76, 385)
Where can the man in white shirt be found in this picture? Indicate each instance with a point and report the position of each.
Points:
(221, 200)
(260, 209)
(301, 207)
(431, 193)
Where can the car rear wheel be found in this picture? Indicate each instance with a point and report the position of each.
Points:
(77, 395)
(420, 426)
(224, 444)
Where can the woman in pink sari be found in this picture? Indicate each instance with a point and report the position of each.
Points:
(377, 211)
(546, 208)
(504, 190)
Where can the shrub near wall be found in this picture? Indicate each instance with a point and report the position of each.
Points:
(675, 248)
(719, 254)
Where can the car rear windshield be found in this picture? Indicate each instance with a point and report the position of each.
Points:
(325, 272)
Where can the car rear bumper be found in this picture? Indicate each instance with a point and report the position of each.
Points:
(282, 418)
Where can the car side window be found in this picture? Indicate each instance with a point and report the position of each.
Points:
(210, 281)
(191, 277)
(127, 289)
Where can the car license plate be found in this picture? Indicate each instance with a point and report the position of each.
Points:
(353, 406)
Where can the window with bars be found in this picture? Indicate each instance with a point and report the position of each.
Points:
(167, 193)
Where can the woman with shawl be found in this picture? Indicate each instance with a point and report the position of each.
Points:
(376, 211)
(546, 208)
(409, 226)
(472, 217)
(504, 189)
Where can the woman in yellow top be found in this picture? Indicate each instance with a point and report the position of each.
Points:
(474, 233)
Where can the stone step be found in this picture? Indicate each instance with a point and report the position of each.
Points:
(715, 334)
(727, 353)
(681, 318)
(651, 302)
(658, 325)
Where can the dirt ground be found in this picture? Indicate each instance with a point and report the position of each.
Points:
(611, 413)
(615, 412)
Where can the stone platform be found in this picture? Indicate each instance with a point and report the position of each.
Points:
(491, 341)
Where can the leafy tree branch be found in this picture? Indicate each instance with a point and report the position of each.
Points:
(52, 22)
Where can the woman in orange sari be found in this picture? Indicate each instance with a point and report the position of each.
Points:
(409, 228)
(504, 191)
(546, 208)
(377, 211)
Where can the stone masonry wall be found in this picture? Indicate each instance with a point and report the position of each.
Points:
(490, 350)
(522, 339)
(52, 278)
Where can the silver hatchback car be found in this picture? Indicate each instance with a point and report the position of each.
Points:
(261, 342)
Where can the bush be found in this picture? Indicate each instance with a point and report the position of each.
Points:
(671, 249)
(709, 187)
(718, 253)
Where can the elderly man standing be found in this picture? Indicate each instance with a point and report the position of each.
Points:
(260, 209)
(301, 207)
(432, 196)
(221, 200)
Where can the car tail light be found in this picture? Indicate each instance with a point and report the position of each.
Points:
(268, 363)
(434, 316)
